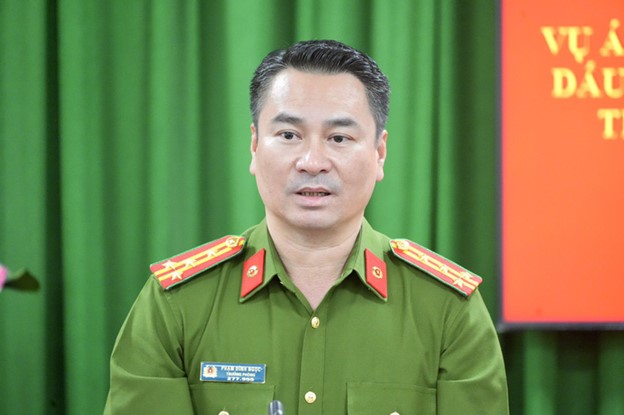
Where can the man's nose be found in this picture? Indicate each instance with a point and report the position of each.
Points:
(314, 159)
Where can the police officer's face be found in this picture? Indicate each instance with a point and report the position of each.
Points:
(314, 152)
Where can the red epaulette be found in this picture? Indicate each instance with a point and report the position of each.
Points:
(182, 267)
(437, 266)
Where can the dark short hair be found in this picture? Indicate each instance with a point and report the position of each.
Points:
(324, 56)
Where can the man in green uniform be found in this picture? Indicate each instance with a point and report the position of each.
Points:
(312, 306)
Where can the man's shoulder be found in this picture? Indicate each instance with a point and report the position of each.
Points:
(182, 267)
(435, 265)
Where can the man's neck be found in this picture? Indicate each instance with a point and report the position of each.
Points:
(313, 259)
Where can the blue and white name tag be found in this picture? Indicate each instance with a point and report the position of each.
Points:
(232, 372)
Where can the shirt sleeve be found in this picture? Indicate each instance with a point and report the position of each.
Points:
(472, 376)
(147, 371)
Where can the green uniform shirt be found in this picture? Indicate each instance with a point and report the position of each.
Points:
(425, 349)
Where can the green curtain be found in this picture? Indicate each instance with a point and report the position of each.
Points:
(124, 138)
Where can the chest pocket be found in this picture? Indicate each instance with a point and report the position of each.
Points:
(369, 398)
(231, 398)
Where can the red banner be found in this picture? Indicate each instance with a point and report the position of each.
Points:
(562, 162)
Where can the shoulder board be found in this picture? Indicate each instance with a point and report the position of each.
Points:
(436, 265)
(180, 268)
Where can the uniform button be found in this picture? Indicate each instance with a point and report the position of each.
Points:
(315, 322)
(310, 397)
(224, 413)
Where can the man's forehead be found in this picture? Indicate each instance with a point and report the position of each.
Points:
(292, 86)
(300, 97)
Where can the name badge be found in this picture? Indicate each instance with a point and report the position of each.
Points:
(232, 372)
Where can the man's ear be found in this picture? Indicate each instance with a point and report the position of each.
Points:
(252, 147)
(381, 154)
(254, 137)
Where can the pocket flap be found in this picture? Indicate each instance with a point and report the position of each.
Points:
(369, 398)
(233, 398)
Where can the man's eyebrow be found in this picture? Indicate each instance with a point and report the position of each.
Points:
(287, 119)
(341, 122)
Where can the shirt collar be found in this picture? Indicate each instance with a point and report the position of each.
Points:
(376, 244)
(259, 239)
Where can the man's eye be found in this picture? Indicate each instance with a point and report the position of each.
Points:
(288, 135)
(339, 139)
